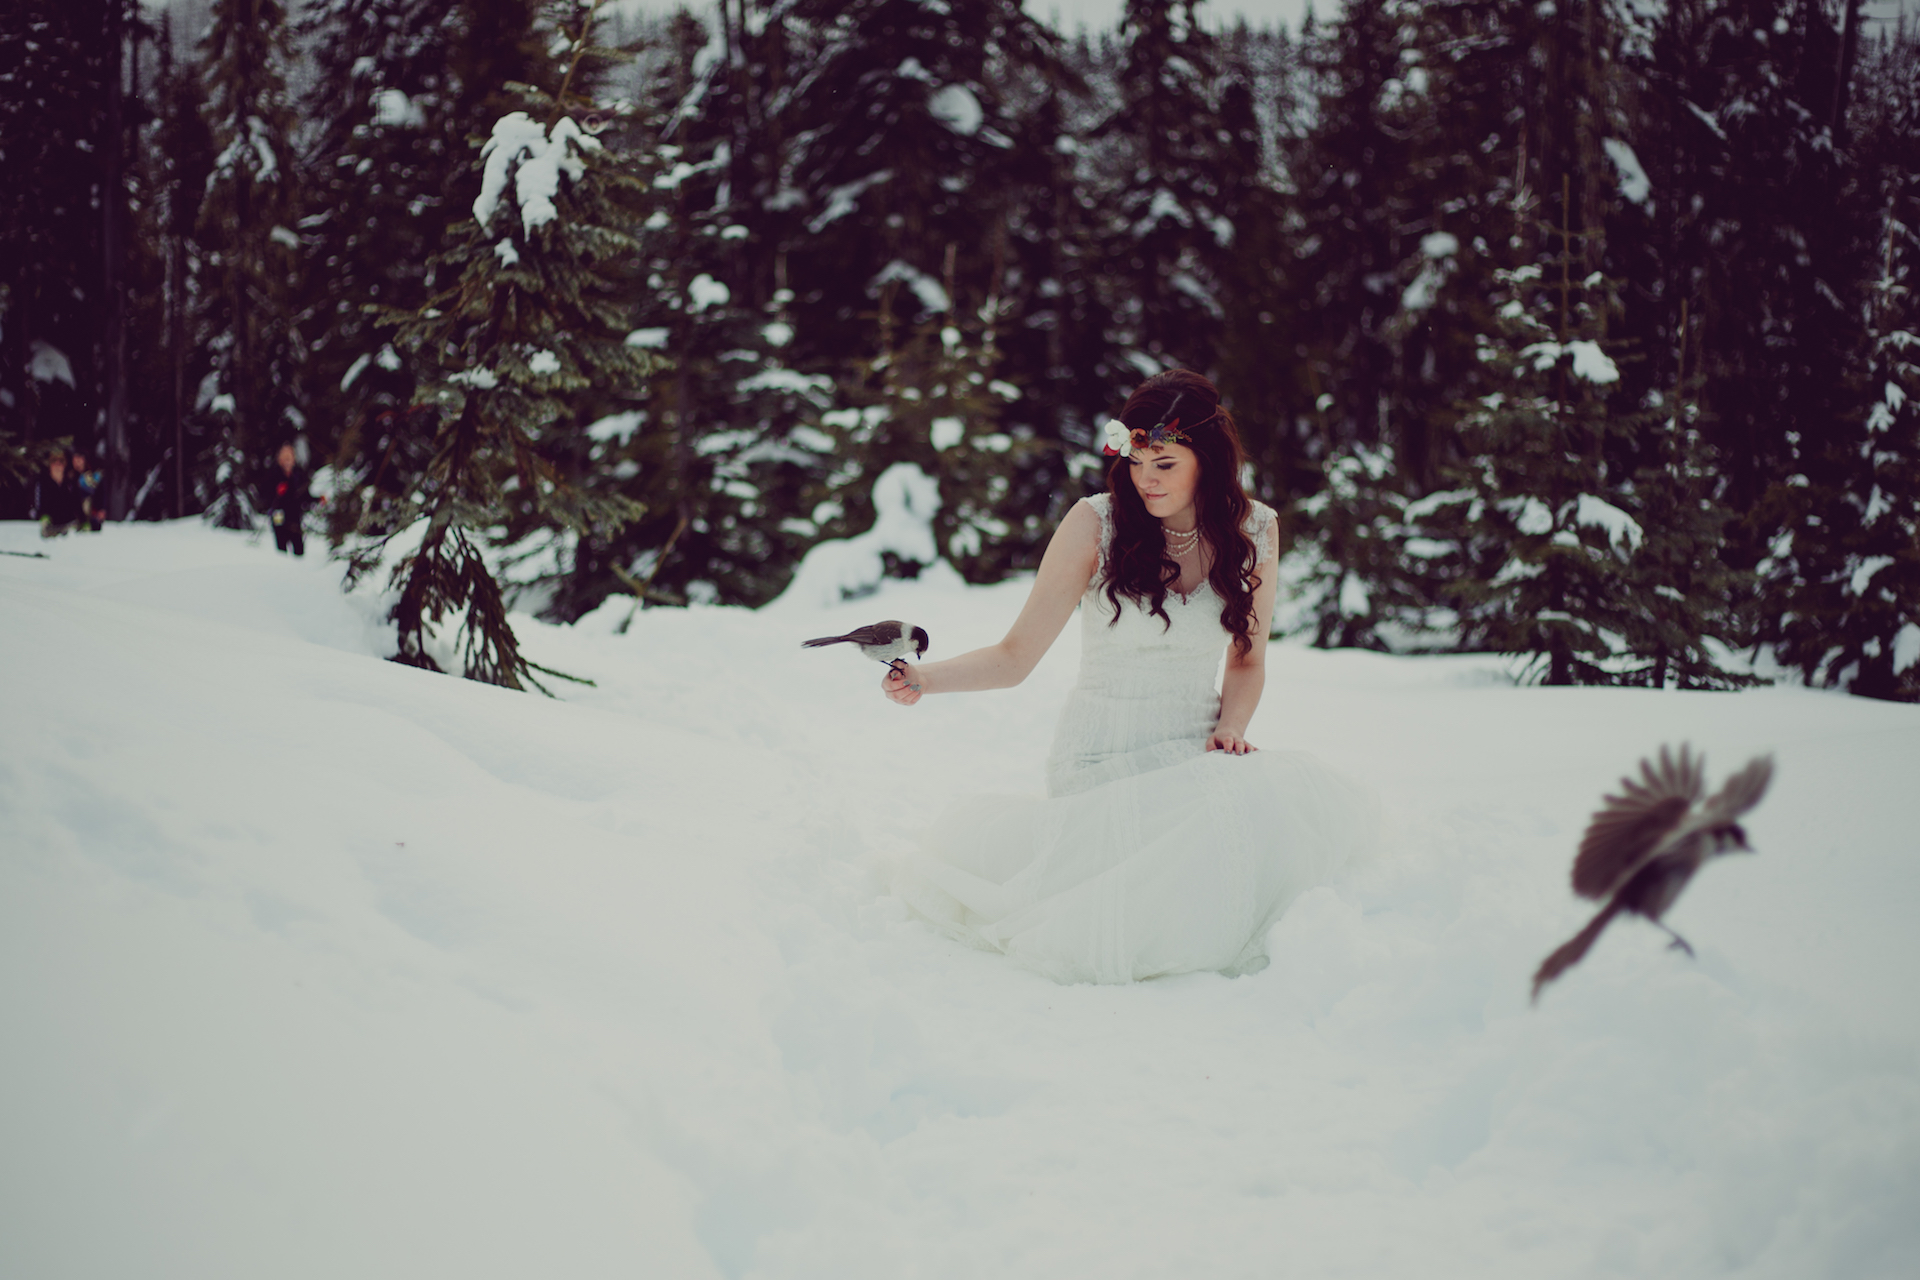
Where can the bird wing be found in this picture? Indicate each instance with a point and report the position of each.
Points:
(1628, 827)
(878, 633)
(1740, 792)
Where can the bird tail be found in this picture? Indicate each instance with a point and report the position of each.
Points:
(815, 644)
(1569, 952)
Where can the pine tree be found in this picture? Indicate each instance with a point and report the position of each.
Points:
(252, 251)
(1858, 626)
(722, 451)
(53, 71)
(405, 91)
(516, 352)
(1169, 155)
(1578, 534)
(904, 159)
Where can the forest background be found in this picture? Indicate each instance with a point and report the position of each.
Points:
(1581, 330)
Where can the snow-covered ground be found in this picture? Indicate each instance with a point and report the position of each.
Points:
(314, 965)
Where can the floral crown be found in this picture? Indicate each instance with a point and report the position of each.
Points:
(1130, 440)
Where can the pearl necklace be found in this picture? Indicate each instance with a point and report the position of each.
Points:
(1181, 543)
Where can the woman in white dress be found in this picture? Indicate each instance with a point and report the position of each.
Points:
(1167, 842)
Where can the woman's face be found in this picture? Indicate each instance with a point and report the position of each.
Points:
(1166, 477)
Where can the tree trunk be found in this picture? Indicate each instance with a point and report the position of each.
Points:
(113, 214)
(1843, 74)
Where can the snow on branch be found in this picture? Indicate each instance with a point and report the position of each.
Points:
(523, 150)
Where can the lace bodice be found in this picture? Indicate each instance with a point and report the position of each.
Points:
(1147, 696)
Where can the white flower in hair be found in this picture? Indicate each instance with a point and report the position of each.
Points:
(1119, 438)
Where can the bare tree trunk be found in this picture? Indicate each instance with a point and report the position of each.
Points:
(113, 212)
(176, 294)
(1843, 73)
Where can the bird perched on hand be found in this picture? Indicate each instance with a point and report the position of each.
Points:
(889, 643)
(1645, 844)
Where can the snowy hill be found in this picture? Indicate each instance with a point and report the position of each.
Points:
(313, 965)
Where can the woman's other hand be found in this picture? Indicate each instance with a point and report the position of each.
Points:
(1229, 741)
(902, 684)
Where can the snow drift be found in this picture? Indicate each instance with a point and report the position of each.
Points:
(315, 965)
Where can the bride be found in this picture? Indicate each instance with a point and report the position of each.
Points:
(1167, 843)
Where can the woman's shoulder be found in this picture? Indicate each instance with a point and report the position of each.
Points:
(1261, 524)
(1101, 504)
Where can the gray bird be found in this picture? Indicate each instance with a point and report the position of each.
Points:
(1645, 844)
(889, 643)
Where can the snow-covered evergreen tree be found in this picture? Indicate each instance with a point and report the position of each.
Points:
(1857, 626)
(252, 251)
(404, 92)
(1551, 543)
(518, 349)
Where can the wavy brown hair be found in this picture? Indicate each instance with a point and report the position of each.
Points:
(1138, 566)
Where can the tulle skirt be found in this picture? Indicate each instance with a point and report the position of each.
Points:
(1176, 870)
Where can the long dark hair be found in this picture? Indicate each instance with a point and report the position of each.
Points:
(1138, 566)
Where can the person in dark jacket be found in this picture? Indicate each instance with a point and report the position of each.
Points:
(289, 493)
(56, 498)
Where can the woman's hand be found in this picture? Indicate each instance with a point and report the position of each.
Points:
(901, 683)
(1230, 742)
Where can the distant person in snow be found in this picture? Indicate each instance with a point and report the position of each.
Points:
(93, 498)
(56, 498)
(288, 494)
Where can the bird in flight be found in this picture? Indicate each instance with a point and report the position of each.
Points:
(1645, 844)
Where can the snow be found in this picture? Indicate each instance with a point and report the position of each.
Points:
(955, 107)
(48, 363)
(1863, 571)
(946, 432)
(354, 370)
(314, 965)
(1906, 647)
(648, 339)
(504, 250)
(1589, 361)
(543, 362)
(704, 291)
(1708, 120)
(521, 148)
(481, 379)
(928, 291)
(791, 381)
(842, 200)
(1530, 515)
(393, 108)
(1634, 185)
(905, 499)
(1622, 530)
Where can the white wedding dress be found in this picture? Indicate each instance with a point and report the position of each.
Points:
(1150, 855)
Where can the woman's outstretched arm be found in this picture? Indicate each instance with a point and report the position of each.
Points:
(1065, 571)
(1246, 674)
